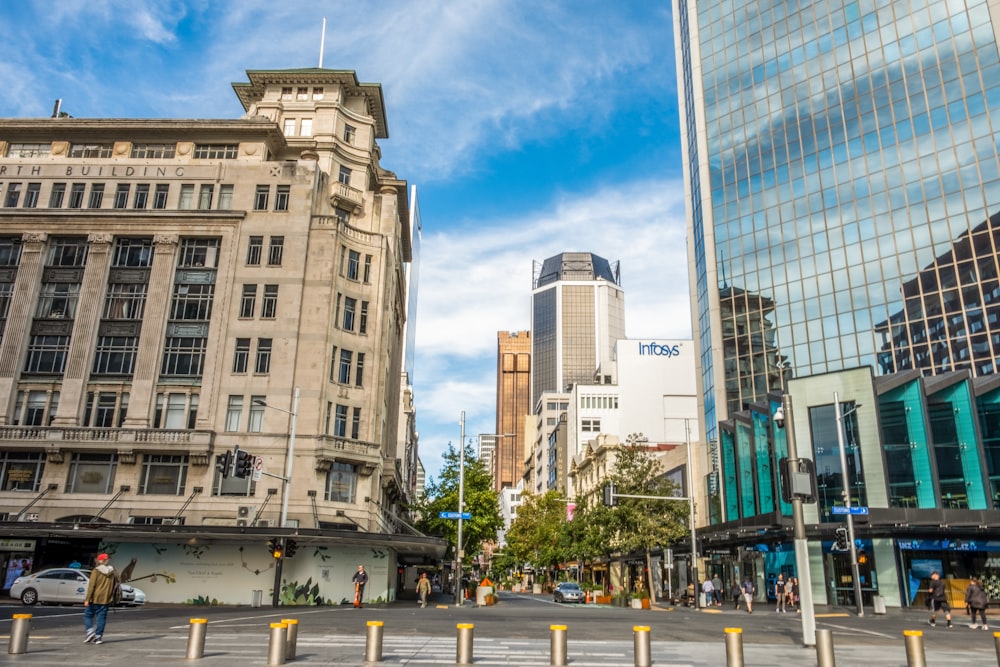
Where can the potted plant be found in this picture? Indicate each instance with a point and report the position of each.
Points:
(640, 599)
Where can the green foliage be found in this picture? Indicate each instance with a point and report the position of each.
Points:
(293, 593)
(539, 535)
(480, 501)
(201, 600)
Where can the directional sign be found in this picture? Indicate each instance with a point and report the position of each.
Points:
(854, 509)
(455, 515)
(258, 467)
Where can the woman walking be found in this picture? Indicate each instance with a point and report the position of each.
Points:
(975, 598)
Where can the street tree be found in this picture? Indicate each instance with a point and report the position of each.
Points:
(643, 524)
(538, 534)
(480, 501)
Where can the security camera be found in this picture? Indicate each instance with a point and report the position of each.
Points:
(779, 417)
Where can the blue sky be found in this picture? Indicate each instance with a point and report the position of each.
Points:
(529, 128)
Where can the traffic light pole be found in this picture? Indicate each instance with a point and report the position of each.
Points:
(276, 595)
(852, 546)
(806, 610)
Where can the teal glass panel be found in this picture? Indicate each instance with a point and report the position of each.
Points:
(956, 450)
(989, 426)
(762, 454)
(730, 493)
(744, 459)
(907, 453)
(826, 449)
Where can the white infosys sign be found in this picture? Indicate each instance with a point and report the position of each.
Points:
(657, 385)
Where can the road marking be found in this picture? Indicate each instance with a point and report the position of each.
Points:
(868, 632)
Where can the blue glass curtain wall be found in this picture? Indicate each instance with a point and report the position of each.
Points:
(763, 456)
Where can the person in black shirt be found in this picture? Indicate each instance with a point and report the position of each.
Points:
(360, 578)
(938, 599)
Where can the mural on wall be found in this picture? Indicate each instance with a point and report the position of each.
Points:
(229, 574)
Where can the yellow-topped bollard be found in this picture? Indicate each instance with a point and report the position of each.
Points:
(276, 647)
(734, 647)
(20, 628)
(914, 641)
(463, 652)
(291, 637)
(557, 645)
(641, 646)
(196, 638)
(373, 642)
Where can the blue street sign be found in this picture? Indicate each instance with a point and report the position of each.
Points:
(455, 515)
(854, 509)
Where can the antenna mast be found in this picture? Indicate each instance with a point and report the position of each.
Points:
(322, 43)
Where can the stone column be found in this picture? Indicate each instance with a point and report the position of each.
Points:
(154, 323)
(85, 323)
(20, 316)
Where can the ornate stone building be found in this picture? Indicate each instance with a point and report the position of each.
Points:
(173, 289)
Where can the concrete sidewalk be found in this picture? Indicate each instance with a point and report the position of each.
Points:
(249, 649)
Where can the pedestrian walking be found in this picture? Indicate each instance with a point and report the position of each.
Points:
(423, 589)
(103, 590)
(976, 600)
(718, 592)
(938, 599)
(736, 594)
(779, 594)
(748, 591)
(360, 578)
(790, 593)
(708, 589)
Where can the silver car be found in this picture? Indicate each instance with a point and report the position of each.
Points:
(61, 585)
(567, 591)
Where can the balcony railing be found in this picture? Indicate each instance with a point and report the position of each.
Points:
(345, 196)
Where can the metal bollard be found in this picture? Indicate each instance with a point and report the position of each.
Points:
(914, 640)
(373, 644)
(196, 638)
(19, 629)
(557, 645)
(734, 647)
(293, 637)
(996, 645)
(640, 642)
(463, 653)
(824, 649)
(276, 649)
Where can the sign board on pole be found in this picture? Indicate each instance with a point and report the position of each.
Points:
(455, 515)
(258, 467)
(853, 510)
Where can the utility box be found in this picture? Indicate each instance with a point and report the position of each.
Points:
(255, 598)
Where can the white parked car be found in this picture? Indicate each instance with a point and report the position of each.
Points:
(64, 585)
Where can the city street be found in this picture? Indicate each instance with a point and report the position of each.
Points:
(513, 632)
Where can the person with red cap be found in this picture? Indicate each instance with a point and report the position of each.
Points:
(102, 592)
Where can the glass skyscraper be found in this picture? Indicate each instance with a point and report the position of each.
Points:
(844, 189)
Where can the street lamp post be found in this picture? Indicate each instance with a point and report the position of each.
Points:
(853, 549)
(801, 545)
(461, 508)
(290, 455)
(286, 481)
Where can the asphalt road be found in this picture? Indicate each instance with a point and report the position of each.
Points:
(514, 632)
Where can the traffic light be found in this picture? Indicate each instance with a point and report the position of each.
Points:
(290, 547)
(840, 540)
(244, 463)
(610, 495)
(274, 546)
(224, 463)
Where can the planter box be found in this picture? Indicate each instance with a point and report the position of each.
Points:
(646, 603)
(603, 599)
(636, 603)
